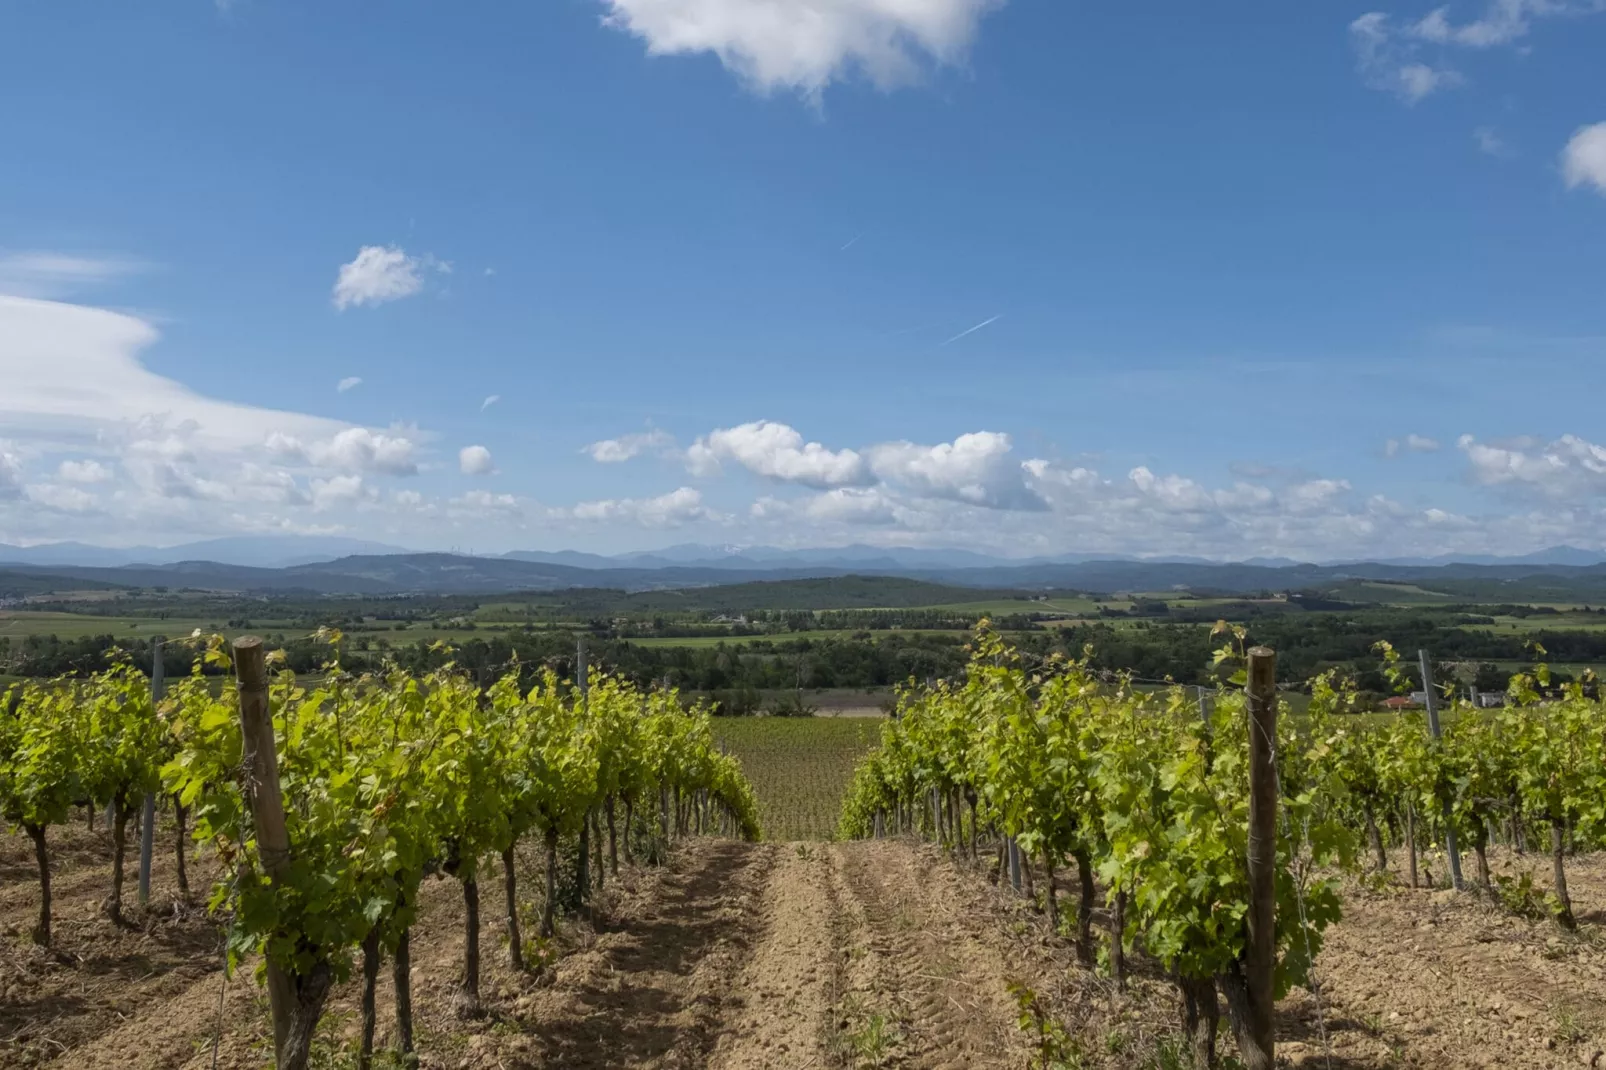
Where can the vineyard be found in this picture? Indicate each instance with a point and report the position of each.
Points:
(800, 768)
(1040, 865)
(1152, 796)
(327, 807)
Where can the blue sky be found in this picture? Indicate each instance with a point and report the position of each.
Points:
(1319, 280)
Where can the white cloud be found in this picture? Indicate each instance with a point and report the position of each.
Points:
(805, 45)
(777, 452)
(1390, 56)
(1503, 22)
(356, 449)
(10, 472)
(1389, 64)
(1583, 161)
(410, 499)
(78, 403)
(348, 383)
(682, 506)
(64, 499)
(627, 447)
(489, 401)
(382, 273)
(485, 500)
(84, 472)
(976, 469)
(338, 491)
(1413, 442)
(1566, 467)
(475, 461)
(47, 274)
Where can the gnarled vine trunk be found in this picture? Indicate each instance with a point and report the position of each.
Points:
(41, 854)
(1084, 906)
(1201, 1018)
(549, 909)
(510, 889)
(180, 842)
(370, 1010)
(120, 814)
(1558, 846)
(401, 979)
(466, 1004)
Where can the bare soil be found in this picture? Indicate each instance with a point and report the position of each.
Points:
(739, 957)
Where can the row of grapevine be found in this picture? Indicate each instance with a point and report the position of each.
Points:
(382, 780)
(1147, 794)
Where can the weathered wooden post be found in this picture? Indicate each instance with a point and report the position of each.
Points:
(1254, 1030)
(260, 767)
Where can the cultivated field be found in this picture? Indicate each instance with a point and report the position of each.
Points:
(800, 767)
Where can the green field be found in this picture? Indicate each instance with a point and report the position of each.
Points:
(80, 625)
(800, 767)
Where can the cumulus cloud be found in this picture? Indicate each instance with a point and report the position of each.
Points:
(348, 383)
(678, 507)
(805, 45)
(475, 461)
(10, 472)
(1583, 161)
(777, 452)
(627, 447)
(381, 273)
(61, 498)
(83, 472)
(1568, 466)
(356, 449)
(337, 491)
(976, 469)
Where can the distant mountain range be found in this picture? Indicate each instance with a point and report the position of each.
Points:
(293, 551)
(682, 567)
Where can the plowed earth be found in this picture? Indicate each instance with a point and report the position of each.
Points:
(738, 957)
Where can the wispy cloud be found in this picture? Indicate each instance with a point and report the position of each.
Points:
(45, 274)
(1490, 143)
(851, 242)
(348, 383)
(988, 322)
(489, 401)
(1390, 56)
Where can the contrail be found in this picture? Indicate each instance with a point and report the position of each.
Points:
(984, 323)
(851, 242)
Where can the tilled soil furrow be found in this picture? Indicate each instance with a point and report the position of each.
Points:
(784, 989)
(948, 990)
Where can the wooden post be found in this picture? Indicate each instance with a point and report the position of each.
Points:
(1431, 701)
(1255, 1041)
(147, 828)
(261, 768)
